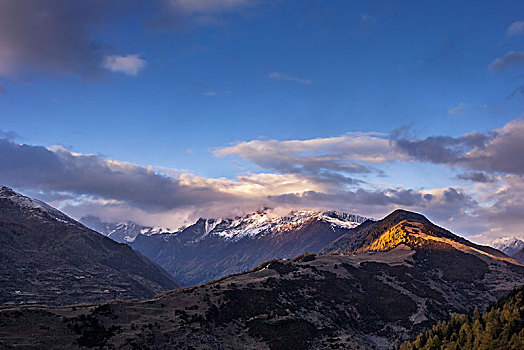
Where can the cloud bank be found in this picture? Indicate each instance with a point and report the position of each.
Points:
(323, 173)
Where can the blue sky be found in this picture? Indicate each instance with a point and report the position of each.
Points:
(171, 84)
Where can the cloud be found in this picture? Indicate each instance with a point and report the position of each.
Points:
(504, 213)
(502, 151)
(210, 93)
(512, 58)
(498, 151)
(516, 28)
(331, 161)
(129, 64)
(206, 6)
(9, 135)
(287, 77)
(516, 91)
(52, 36)
(86, 184)
(458, 109)
(320, 173)
(174, 13)
(57, 169)
(440, 149)
(476, 177)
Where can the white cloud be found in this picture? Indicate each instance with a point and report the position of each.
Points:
(357, 146)
(515, 28)
(130, 64)
(283, 76)
(210, 93)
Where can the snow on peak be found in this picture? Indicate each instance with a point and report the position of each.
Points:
(261, 222)
(508, 245)
(34, 205)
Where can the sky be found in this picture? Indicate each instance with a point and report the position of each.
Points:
(164, 111)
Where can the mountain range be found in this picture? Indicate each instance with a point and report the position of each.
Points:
(373, 286)
(213, 248)
(47, 257)
(122, 232)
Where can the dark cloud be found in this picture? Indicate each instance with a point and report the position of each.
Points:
(48, 35)
(63, 36)
(496, 152)
(441, 149)
(360, 197)
(512, 58)
(476, 176)
(57, 36)
(505, 214)
(25, 166)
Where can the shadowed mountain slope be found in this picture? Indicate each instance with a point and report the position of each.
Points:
(47, 257)
(519, 256)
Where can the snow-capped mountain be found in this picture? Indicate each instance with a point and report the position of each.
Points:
(34, 206)
(212, 248)
(250, 225)
(123, 232)
(508, 245)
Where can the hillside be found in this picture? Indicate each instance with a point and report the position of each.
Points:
(47, 257)
(519, 256)
(411, 229)
(376, 298)
(500, 327)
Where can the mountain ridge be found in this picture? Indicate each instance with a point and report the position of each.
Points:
(47, 257)
(405, 227)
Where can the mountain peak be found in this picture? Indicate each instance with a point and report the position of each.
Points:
(35, 206)
(401, 214)
(7, 192)
(408, 228)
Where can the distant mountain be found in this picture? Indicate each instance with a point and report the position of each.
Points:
(47, 257)
(400, 275)
(122, 232)
(519, 256)
(508, 245)
(213, 248)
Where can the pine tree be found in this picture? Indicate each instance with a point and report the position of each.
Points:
(501, 327)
